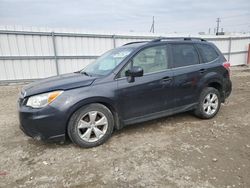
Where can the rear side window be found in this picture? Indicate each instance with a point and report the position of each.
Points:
(184, 55)
(207, 52)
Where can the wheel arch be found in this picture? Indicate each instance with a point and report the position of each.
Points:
(217, 85)
(100, 100)
(214, 80)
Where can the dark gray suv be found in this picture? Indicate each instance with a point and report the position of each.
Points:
(133, 83)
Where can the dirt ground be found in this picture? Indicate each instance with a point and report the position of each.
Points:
(176, 151)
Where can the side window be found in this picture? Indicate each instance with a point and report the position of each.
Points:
(184, 55)
(207, 52)
(151, 59)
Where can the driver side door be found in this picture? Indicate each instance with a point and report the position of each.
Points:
(150, 94)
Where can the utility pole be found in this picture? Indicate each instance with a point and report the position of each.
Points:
(218, 25)
(152, 29)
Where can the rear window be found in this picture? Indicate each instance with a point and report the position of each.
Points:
(207, 52)
(184, 55)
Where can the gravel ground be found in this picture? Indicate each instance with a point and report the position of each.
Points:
(176, 151)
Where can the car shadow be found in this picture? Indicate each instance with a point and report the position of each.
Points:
(157, 123)
(129, 129)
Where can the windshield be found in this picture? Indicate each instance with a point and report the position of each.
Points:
(107, 62)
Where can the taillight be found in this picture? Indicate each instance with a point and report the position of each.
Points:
(227, 66)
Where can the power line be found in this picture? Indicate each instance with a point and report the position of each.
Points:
(239, 15)
(236, 24)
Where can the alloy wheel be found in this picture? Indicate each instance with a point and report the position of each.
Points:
(210, 104)
(92, 126)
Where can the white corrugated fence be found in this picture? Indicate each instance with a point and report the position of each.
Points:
(33, 54)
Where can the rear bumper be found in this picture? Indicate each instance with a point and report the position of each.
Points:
(227, 88)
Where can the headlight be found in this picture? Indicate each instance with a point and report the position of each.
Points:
(39, 101)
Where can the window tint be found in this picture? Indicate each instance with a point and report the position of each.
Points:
(184, 55)
(152, 59)
(207, 52)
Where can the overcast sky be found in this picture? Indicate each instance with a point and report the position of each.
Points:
(184, 16)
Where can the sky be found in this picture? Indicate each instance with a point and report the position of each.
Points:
(181, 16)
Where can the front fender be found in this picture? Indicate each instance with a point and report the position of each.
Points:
(97, 99)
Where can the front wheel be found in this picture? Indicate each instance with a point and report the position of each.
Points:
(91, 125)
(209, 103)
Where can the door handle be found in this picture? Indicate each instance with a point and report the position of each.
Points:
(202, 71)
(167, 79)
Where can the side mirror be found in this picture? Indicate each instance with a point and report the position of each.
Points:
(135, 71)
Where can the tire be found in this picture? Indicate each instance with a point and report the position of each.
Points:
(91, 125)
(205, 100)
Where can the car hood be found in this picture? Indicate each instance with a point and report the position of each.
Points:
(62, 82)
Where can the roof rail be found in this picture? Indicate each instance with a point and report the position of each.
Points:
(177, 38)
(134, 42)
(167, 38)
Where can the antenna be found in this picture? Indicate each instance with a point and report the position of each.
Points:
(152, 29)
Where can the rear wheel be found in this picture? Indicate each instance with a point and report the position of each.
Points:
(91, 125)
(209, 103)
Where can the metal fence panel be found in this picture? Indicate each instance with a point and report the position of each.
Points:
(82, 45)
(237, 59)
(26, 69)
(221, 44)
(71, 65)
(240, 44)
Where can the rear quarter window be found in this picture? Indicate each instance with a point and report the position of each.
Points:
(208, 53)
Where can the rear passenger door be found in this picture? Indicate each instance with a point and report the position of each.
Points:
(187, 72)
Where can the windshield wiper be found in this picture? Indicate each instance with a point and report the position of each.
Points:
(85, 73)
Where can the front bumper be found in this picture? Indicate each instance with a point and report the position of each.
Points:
(42, 124)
